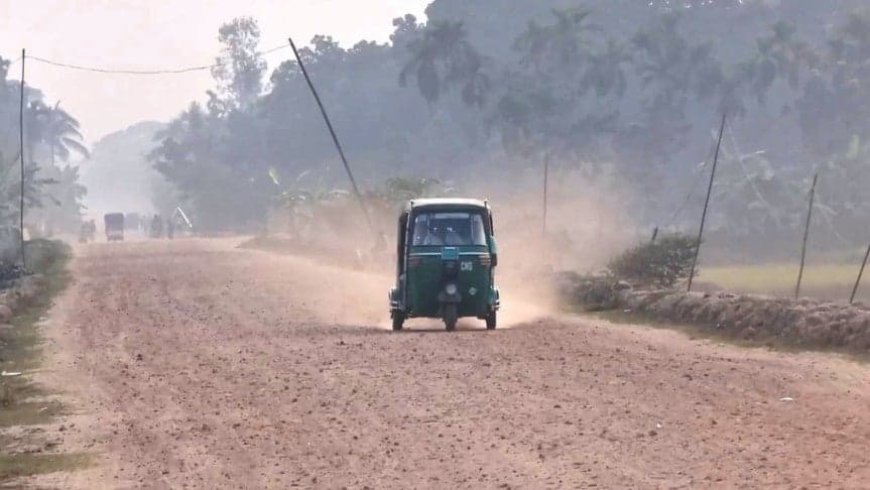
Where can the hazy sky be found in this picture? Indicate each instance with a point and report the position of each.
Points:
(157, 34)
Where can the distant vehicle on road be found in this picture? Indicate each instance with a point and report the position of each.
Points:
(114, 227)
(132, 221)
(88, 231)
(156, 229)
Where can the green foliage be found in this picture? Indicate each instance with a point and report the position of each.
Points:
(663, 262)
(27, 464)
(239, 69)
(590, 292)
(400, 190)
(52, 191)
(552, 100)
(443, 58)
(624, 87)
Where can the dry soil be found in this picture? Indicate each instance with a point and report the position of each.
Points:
(196, 364)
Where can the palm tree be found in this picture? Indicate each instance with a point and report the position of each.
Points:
(780, 55)
(52, 129)
(61, 134)
(605, 73)
(561, 45)
(547, 104)
(444, 58)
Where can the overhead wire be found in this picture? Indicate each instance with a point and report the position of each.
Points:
(820, 203)
(123, 71)
(692, 188)
(771, 211)
(119, 71)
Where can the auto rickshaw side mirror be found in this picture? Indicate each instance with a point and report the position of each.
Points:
(493, 251)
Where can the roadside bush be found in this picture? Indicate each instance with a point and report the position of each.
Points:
(9, 271)
(661, 263)
(6, 398)
(44, 254)
(590, 292)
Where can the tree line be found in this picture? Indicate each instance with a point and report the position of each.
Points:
(629, 89)
(52, 192)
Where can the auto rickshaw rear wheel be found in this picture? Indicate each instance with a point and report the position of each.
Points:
(398, 320)
(450, 316)
(491, 320)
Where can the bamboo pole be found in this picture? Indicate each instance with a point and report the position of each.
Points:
(797, 288)
(860, 274)
(356, 191)
(21, 154)
(546, 189)
(706, 204)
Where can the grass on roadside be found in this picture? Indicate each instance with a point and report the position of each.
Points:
(699, 332)
(28, 464)
(20, 351)
(826, 281)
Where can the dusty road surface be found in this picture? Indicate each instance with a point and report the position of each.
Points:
(193, 364)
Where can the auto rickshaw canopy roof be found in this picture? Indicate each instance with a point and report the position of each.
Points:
(445, 202)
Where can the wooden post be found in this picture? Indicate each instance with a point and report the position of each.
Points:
(546, 189)
(706, 204)
(797, 288)
(860, 274)
(21, 154)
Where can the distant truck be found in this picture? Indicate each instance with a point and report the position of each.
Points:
(114, 227)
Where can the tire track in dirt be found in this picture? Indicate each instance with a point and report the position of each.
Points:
(208, 366)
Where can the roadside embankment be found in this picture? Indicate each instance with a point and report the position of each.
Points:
(803, 323)
(24, 406)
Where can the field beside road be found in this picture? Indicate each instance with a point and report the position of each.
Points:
(823, 281)
(193, 363)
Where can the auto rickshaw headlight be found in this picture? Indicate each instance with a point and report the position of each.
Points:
(450, 289)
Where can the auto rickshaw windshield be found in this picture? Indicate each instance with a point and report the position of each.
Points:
(451, 229)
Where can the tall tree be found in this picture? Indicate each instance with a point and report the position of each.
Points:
(442, 59)
(61, 133)
(240, 68)
(554, 99)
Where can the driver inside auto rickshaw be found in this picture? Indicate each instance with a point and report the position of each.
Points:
(439, 235)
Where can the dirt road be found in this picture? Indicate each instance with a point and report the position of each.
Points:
(195, 364)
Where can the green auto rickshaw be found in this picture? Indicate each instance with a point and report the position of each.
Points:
(446, 259)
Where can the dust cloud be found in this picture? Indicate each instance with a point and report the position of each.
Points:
(586, 225)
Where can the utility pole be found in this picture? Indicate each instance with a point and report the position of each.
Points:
(860, 274)
(797, 288)
(546, 188)
(356, 191)
(21, 153)
(706, 204)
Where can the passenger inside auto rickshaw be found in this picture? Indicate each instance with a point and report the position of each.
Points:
(449, 229)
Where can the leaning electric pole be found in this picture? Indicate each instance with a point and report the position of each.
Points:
(706, 203)
(797, 288)
(353, 184)
(21, 155)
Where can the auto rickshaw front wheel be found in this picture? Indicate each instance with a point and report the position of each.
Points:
(491, 320)
(398, 320)
(450, 315)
